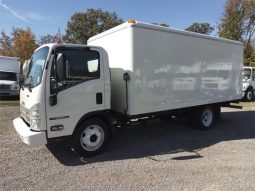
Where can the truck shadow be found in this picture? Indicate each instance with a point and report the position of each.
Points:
(158, 138)
(9, 98)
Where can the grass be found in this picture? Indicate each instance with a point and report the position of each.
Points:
(9, 102)
(247, 105)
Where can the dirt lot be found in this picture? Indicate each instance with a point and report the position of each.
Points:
(158, 156)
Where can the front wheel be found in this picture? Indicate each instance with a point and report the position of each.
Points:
(91, 137)
(249, 94)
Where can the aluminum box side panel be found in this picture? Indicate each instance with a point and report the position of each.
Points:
(174, 70)
(169, 69)
(119, 46)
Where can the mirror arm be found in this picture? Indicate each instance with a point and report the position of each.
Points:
(53, 100)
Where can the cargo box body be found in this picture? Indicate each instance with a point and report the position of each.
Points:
(169, 69)
(10, 64)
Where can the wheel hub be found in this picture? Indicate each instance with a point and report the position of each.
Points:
(92, 137)
(207, 117)
(249, 95)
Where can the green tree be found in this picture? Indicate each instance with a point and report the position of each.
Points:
(250, 60)
(238, 23)
(82, 26)
(231, 25)
(45, 39)
(5, 45)
(23, 43)
(202, 28)
(249, 22)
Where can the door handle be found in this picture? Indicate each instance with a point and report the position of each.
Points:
(99, 98)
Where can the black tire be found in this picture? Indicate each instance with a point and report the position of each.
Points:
(204, 117)
(91, 137)
(249, 94)
(165, 117)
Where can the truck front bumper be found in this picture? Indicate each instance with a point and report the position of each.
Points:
(27, 135)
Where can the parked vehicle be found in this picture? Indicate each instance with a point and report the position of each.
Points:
(129, 73)
(9, 76)
(248, 83)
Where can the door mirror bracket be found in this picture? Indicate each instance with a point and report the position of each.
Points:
(53, 100)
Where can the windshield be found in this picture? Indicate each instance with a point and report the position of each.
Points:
(246, 73)
(36, 65)
(11, 76)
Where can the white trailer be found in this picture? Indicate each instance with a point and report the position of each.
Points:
(132, 71)
(9, 76)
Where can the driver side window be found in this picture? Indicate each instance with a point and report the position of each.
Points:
(74, 66)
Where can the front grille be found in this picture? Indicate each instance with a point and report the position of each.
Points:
(5, 87)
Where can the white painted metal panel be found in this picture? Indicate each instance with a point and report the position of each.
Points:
(170, 69)
(75, 102)
(9, 64)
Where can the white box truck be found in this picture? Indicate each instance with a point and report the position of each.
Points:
(129, 73)
(9, 76)
(248, 83)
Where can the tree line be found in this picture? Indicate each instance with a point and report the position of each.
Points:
(237, 23)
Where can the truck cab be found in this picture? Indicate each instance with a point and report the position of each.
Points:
(248, 83)
(64, 85)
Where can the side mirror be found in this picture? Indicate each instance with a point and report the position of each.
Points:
(60, 67)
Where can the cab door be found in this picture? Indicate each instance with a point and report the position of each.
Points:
(76, 87)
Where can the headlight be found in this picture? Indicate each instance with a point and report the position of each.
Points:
(15, 86)
(35, 117)
(244, 87)
(34, 112)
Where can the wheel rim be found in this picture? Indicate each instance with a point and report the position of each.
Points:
(92, 137)
(249, 95)
(207, 117)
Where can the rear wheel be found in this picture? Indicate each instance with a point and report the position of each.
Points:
(91, 137)
(204, 117)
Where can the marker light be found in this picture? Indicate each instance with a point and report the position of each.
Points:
(131, 21)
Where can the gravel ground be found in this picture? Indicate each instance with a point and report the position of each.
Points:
(156, 156)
